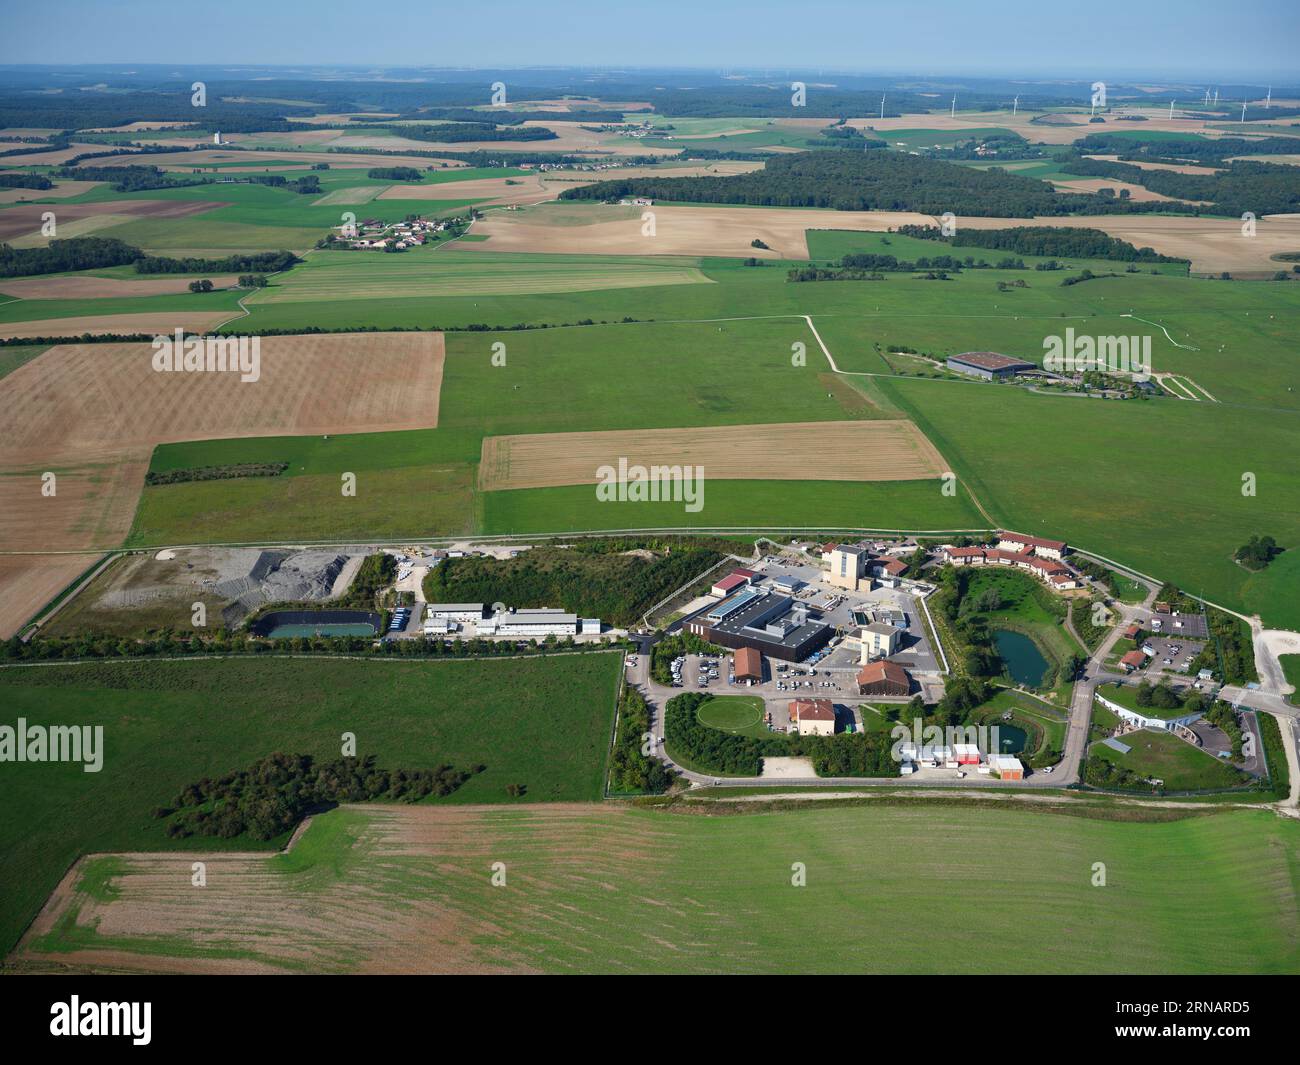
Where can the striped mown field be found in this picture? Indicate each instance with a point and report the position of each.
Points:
(421, 273)
(591, 888)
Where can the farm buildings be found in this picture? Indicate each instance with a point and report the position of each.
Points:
(988, 365)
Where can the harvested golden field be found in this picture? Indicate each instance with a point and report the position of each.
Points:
(678, 230)
(720, 168)
(185, 161)
(88, 287)
(61, 191)
(153, 322)
(530, 188)
(1178, 168)
(28, 582)
(1137, 193)
(92, 414)
(1212, 244)
(790, 451)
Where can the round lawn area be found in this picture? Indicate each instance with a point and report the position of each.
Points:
(740, 715)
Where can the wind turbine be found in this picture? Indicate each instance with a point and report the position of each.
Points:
(954, 105)
(1015, 106)
(1268, 100)
(882, 105)
(1243, 110)
(1216, 97)
(1207, 97)
(1171, 109)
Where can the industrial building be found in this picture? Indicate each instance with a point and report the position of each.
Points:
(461, 612)
(544, 621)
(988, 365)
(1006, 766)
(879, 640)
(884, 678)
(774, 625)
(848, 568)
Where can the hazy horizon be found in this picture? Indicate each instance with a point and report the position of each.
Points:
(1254, 44)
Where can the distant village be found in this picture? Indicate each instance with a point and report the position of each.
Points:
(374, 235)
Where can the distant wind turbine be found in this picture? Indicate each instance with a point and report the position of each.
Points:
(1015, 106)
(1171, 109)
(954, 106)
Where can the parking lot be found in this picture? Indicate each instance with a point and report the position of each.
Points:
(1173, 655)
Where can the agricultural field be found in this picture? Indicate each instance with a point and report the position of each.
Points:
(872, 450)
(329, 275)
(358, 893)
(1057, 463)
(540, 722)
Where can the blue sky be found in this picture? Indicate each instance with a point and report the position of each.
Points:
(1254, 40)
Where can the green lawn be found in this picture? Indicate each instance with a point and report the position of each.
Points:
(543, 723)
(1163, 756)
(741, 715)
(1291, 669)
(720, 890)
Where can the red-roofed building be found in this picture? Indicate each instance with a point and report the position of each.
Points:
(748, 664)
(813, 717)
(1133, 660)
(884, 678)
(728, 584)
(1018, 542)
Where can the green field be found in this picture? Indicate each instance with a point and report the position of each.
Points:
(631, 376)
(419, 274)
(740, 715)
(1062, 466)
(1125, 695)
(647, 891)
(1163, 756)
(541, 722)
(1291, 669)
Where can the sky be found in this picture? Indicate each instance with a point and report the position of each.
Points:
(1249, 40)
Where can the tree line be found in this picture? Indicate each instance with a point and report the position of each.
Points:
(272, 795)
(1056, 241)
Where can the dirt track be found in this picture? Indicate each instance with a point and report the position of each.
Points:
(858, 451)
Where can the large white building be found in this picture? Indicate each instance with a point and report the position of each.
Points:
(461, 612)
(543, 621)
(879, 641)
(848, 568)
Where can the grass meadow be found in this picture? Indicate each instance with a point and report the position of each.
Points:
(541, 722)
(642, 890)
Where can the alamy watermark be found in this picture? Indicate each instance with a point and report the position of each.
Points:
(194, 354)
(626, 483)
(1072, 354)
(53, 743)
